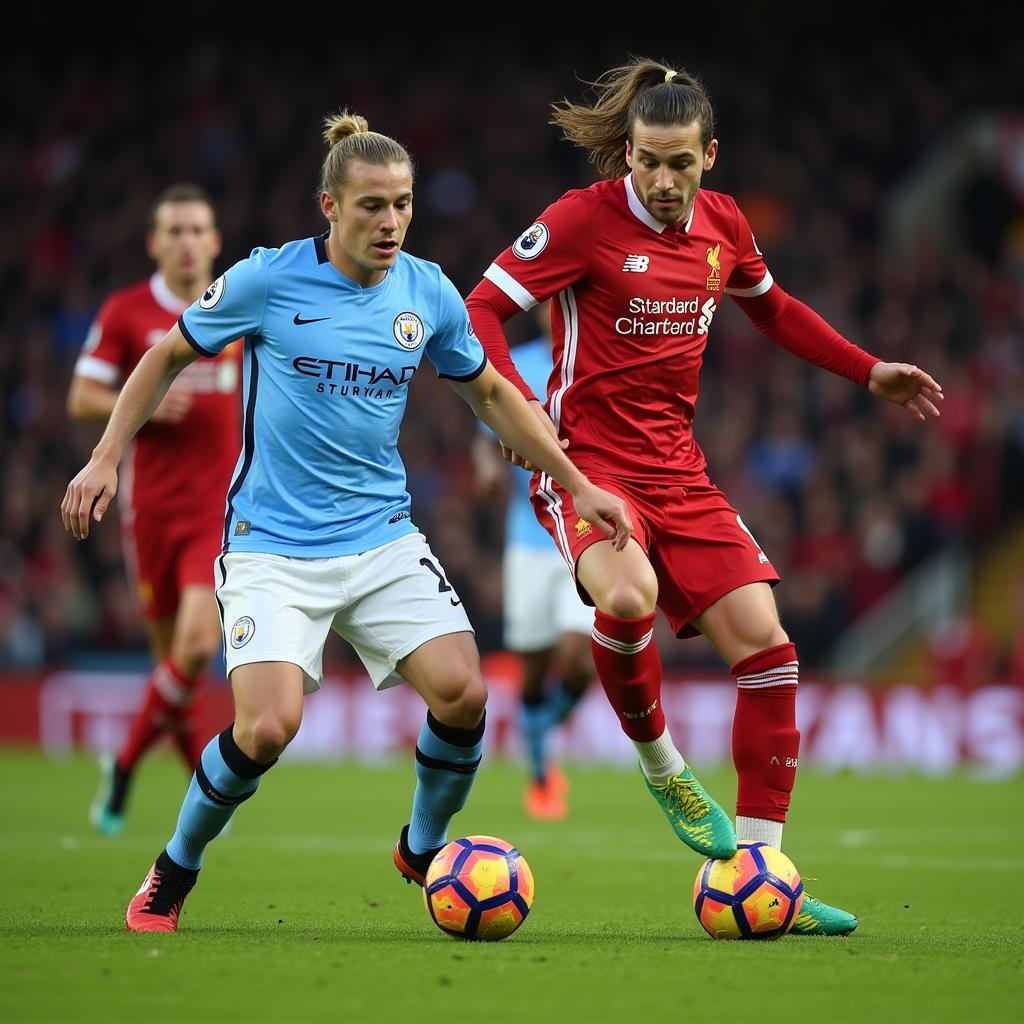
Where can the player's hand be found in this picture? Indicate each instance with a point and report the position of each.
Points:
(606, 511)
(515, 458)
(906, 385)
(173, 407)
(88, 494)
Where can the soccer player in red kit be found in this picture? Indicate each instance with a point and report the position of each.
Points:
(174, 480)
(636, 266)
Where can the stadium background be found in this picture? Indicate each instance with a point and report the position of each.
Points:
(884, 179)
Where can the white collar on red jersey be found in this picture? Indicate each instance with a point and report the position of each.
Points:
(641, 212)
(165, 297)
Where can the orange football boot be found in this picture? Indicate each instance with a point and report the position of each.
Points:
(157, 904)
(413, 866)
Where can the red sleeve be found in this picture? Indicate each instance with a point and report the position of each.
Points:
(798, 329)
(106, 352)
(551, 254)
(489, 307)
(750, 276)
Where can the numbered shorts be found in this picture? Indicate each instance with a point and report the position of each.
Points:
(540, 599)
(696, 541)
(385, 602)
(166, 554)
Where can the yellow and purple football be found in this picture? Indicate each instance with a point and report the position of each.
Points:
(479, 888)
(755, 894)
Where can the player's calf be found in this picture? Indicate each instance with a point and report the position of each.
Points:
(765, 742)
(447, 758)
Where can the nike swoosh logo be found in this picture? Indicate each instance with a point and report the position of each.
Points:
(298, 321)
(455, 604)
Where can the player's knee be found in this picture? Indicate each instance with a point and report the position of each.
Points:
(193, 659)
(463, 702)
(629, 599)
(195, 648)
(266, 736)
(767, 636)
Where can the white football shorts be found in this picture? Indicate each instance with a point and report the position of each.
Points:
(385, 602)
(540, 599)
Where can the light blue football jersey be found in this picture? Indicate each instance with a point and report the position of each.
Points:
(533, 361)
(326, 376)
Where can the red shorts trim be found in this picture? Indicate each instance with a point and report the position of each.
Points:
(167, 555)
(696, 542)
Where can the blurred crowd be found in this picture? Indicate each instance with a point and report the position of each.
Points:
(846, 496)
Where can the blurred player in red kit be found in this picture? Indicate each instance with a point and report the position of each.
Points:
(174, 480)
(635, 267)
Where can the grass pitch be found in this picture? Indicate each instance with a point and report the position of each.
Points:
(299, 914)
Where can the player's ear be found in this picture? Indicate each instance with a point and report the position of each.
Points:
(151, 245)
(329, 207)
(218, 240)
(629, 154)
(709, 156)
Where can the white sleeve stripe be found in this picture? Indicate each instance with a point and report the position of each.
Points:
(97, 369)
(510, 286)
(759, 289)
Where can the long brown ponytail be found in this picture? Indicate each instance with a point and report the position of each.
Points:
(642, 90)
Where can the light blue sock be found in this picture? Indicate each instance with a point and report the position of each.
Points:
(446, 762)
(224, 777)
(536, 720)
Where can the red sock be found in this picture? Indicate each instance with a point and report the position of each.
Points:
(168, 690)
(629, 667)
(186, 730)
(765, 739)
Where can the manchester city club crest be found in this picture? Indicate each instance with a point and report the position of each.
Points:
(213, 294)
(533, 241)
(242, 631)
(408, 328)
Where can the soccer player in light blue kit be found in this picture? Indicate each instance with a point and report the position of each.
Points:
(317, 532)
(545, 621)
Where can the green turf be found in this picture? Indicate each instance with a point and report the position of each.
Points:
(299, 914)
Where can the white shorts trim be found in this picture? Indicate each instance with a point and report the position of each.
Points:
(384, 602)
(541, 601)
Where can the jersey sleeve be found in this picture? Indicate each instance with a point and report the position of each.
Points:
(751, 276)
(232, 307)
(453, 348)
(106, 352)
(551, 254)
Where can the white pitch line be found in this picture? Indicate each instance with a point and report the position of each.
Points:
(647, 855)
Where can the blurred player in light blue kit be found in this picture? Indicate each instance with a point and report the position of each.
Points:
(546, 623)
(318, 534)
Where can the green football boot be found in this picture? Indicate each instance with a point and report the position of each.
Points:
(106, 821)
(694, 816)
(817, 918)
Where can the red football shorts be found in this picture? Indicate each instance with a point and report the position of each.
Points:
(696, 541)
(168, 554)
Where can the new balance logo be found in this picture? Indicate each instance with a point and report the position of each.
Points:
(636, 264)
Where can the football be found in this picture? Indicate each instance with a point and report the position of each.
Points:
(755, 894)
(479, 888)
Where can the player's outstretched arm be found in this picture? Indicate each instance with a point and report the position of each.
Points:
(92, 402)
(499, 404)
(94, 487)
(907, 385)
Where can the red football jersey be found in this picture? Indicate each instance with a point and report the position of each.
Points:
(179, 468)
(633, 300)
